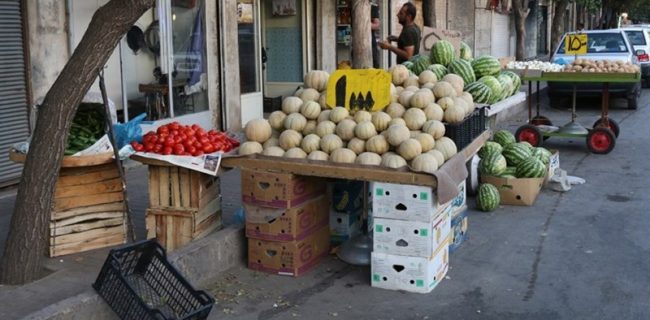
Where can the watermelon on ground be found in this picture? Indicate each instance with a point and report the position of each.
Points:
(487, 197)
(504, 138)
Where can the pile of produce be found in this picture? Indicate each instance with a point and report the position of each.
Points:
(588, 65)
(181, 140)
(409, 131)
(535, 65)
(87, 127)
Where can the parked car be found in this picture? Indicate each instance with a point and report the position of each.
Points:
(612, 44)
(640, 39)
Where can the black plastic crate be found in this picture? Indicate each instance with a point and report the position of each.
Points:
(465, 132)
(272, 104)
(138, 282)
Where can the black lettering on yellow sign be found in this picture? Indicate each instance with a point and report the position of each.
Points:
(576, 44)
(359, 89)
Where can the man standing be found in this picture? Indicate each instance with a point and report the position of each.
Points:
(408, 42)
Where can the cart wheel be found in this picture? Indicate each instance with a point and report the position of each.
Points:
(601, 140)
(530, 134)
(541, 120)
(613, 125)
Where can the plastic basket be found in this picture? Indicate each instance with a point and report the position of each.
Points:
(465, 132)
(138, 282)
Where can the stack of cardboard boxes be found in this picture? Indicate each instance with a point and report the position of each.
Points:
(411, 236)
(286, 221)
(459, 219)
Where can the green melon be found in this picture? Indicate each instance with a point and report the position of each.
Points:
(442, 52)
(509, 172)
(504, 138)
(420, 63)
(463, 69)
(542, 154)
(495, 87)
(516, 80)
(409, 65)
(489, 147)
(480, 92)
(506, 86)
(465, 51)
(487, 197)
(531, 167)
(438, 69)
(516, 153)
(486, 66)
(493, 164)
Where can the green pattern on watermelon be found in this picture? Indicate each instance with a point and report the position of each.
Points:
(487, 197)
(465, 51)
(495, 87)
(515, 153)
(486, 66)
(438, 69)
(516, 80)
(506, 86)
(420, 63)
(463, 69)
(409, 65)
(480, 92)
(510, 172)
(489, 147)
(542, 154)
(527, 144)
(531, 168)
(442, 52)
(504, 138)
(493, 164)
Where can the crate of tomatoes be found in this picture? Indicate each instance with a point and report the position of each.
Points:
(185, 140)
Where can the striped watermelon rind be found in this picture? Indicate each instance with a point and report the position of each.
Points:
(516, 80)
(442, 52)
(463, 69)
(480, 92)
(438, 69)
(516, 153)
(531, 168)
(486, 66)
(504, 138)
(465, 52)
(542, 154)
(493, 164)
(509, 172)
(420, 63)
(489, 147)
(495, 87)
(487, 197)
(507, 86)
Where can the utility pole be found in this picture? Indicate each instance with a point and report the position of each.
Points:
(361, 49)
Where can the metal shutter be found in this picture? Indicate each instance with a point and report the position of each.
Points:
(14, 126)
(500, 35)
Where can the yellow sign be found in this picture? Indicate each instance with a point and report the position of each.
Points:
(359, 89)
(575, 44)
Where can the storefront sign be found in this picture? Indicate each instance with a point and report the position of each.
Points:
(359, 89)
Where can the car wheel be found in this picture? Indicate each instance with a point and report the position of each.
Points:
(633, 98)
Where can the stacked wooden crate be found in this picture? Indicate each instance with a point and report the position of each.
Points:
(88, 210)
(183, 205)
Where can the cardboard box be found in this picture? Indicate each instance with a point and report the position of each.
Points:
(519, 192)
(461, 198)
(459, 225)
(406, 202)
(279, 190)
(347, 195)
(411, 238)
(290, 258)
(553, 164)
(414, 274)
(286, 224)
(343, 226)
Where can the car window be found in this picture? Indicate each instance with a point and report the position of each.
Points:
(636, 37)
(601, 43)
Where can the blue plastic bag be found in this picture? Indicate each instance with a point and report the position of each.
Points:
(127, 132)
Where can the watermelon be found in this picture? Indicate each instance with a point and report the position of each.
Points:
(527, 144)
(504, 138)
(495, 87)
(480, 92)
(507, 86)
(509, 172)
(531, 168)
(463, 69)
(489, 147)
(438, 69)
(493, 164)
(409, 65)
(516, 80)
(516, 153)
(465, 51)
(542, 154)
(486, 66)
(442, 52)
(420, 63)
(487, 197)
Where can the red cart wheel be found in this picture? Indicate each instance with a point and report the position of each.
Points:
(530, 134)
(541, 120)
(613, 125)
(601, 140)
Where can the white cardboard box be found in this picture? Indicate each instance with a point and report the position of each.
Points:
(414, 274)
(460, 200)
(411, 238)
(406, 202)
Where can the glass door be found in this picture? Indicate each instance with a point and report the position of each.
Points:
(250, 59)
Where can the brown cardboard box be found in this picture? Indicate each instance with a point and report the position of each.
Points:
(292, 258)
(287, 224)
(519, 192)
(279, 190)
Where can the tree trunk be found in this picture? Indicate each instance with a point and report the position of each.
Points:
(521, 11)
(429, 13)
(361, 38)
(557, 26)
(28, 233)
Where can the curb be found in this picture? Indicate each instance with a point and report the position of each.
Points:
(199, 261)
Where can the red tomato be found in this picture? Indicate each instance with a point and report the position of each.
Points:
(191, 149)
(218, 146)
(195, 127)
(138, 147)
(178, 139)
(189, 132)
(162, 129)
(167, 150)
(134, 143)
(149, 147)
(204, 140)
(197, 153)
(208, 148)
(179, 149)
(174, 125)
(157, 148)
(198, 145)
(212, 132)
(187, 145)
(200, 132)
(169, 141)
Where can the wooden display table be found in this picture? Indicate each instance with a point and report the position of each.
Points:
(88, 210)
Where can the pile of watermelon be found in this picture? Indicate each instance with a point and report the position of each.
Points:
(483, 77)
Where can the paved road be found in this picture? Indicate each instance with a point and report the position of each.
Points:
(583, 254)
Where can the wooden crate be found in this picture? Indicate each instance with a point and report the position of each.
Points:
(88, 211)
(183, 205)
